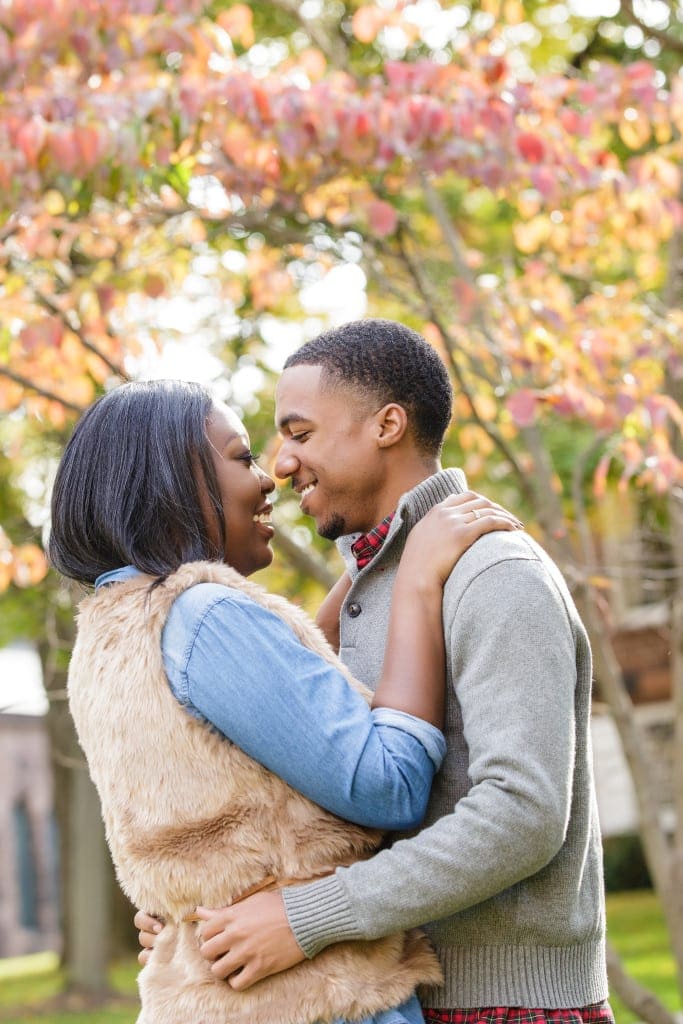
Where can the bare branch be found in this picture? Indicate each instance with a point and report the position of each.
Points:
(452, 240)
(36, 389)
(643, 1003)
(303, 559)
(47, 303)
(667, 41)
(502, 445)
(589, 554)
(331, 43)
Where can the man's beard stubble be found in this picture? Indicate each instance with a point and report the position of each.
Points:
(332, 529)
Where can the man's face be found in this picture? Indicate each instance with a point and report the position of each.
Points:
(328, 451)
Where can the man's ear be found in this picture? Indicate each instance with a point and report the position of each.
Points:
(391, 424)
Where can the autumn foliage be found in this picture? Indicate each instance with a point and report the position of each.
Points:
(523, 220)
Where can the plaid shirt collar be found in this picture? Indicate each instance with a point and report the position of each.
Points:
(366, 547)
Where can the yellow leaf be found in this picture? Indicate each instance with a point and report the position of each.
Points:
(635, 130)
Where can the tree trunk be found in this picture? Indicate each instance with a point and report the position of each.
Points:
(88, 890)
(676, 510)
(85, 868)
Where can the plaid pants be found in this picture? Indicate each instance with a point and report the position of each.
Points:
(597, 1013)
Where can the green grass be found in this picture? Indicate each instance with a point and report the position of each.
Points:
(30, 987)
(31, 991)
(636, 929)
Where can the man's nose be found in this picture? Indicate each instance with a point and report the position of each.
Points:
(286, 462)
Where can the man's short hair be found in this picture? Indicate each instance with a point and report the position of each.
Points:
(388, 362)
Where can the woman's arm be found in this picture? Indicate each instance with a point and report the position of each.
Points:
(327, 618)
(414, 663)
(240, 667)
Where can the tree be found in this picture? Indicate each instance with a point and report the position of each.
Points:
(514, 194)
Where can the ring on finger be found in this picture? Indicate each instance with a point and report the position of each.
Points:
(477, 513)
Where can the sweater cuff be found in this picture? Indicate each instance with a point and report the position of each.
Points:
(319, 914)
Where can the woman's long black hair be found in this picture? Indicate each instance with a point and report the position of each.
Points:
(128, 487)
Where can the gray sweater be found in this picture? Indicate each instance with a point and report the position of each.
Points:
(506, 872)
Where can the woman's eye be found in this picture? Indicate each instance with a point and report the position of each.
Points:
(248, 457)
(300, 436)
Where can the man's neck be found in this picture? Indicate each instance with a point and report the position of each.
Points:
(400, 483)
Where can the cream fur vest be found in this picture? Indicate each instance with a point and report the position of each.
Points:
(191, 820)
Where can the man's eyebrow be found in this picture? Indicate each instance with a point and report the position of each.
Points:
(291, 417)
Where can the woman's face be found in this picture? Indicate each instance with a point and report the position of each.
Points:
(244, 490)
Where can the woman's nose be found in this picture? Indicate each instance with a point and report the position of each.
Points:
(267, 482)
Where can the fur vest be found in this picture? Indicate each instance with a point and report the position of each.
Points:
(191, 820)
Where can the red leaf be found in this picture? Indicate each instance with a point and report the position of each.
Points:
(530, 147)
(522, 407)
(31, 139)
(62, 146)
(466, 297)
(382, 218)
(47, 333)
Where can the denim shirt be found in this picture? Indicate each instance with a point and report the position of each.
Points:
(240, 668)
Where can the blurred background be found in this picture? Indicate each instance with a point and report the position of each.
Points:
(192, 190)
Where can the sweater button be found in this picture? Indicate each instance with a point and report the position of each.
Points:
(354, 610)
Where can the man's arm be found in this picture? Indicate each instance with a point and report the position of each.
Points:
(514, 664)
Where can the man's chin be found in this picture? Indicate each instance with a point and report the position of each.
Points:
(331, 528)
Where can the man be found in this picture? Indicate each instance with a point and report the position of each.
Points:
(505, 874)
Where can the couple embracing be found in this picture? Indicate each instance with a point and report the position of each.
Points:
(250, 765)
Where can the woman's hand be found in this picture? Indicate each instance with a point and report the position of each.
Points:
(148, 928)
(436, 543)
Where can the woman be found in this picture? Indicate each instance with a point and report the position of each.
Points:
(159, 503)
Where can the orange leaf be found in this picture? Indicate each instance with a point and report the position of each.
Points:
(30, 565)
(238, 22)
(154, 286)
(89, 144)
(366, 23)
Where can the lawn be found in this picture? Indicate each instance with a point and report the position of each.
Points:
(30, 988)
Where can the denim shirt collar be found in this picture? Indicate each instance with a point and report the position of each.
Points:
(126, 572)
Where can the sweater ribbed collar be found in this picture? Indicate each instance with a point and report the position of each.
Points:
(412, 506)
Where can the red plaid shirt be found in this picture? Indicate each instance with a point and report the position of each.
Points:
(366, 547)
(364, 550)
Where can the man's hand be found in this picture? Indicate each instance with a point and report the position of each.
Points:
(148, 928)
(249, 941)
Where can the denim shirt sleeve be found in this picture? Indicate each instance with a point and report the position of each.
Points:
(240, 667)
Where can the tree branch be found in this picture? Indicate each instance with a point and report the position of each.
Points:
(46, 302)
(332, 45)
(667, 41)
(643, 1003)
(24, 382)
(303, 559)
(588, 552)
(450, 235)
(434, 316)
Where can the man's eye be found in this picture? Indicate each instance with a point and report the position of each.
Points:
(301, 436)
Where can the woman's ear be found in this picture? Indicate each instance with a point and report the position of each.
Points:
(391, 423)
